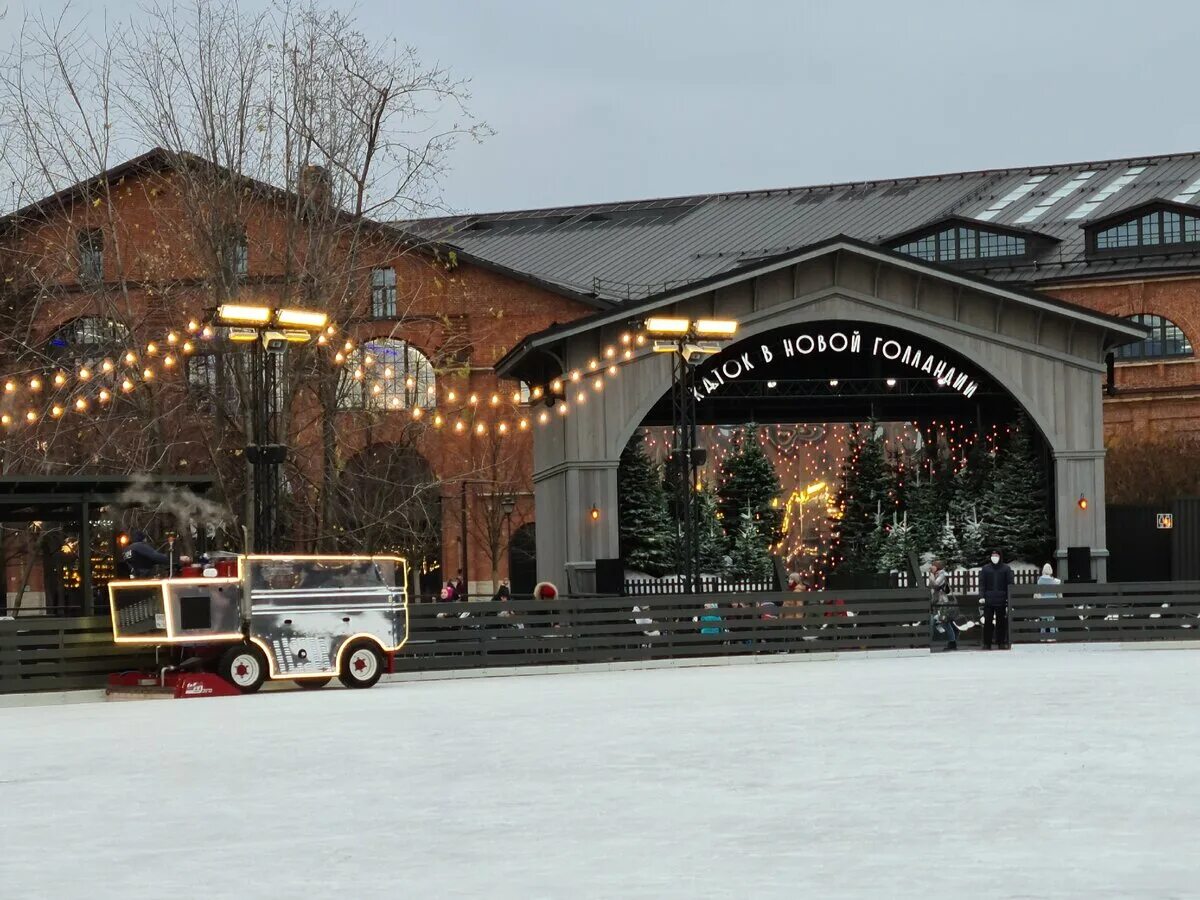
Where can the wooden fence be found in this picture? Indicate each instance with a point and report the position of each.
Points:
(1070, 613)
(39, 653)
(614, 629)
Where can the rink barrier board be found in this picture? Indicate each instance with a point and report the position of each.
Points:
(1126, 611)
(38, 653)
(581, 630)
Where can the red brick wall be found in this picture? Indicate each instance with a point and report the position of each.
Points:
(466, 312)
(1157, 396)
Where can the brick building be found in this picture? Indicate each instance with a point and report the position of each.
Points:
(124, 259)
(102, 280)
(1118, 236)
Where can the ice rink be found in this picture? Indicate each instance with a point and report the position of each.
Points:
(1026, 774)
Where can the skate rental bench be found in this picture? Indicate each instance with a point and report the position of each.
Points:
(306, 619)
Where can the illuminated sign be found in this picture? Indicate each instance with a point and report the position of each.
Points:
(1166, 521)
(821, 342)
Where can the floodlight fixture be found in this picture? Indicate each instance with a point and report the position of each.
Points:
(237, 314)
(725, 328)
(661, 325)
(301, 318)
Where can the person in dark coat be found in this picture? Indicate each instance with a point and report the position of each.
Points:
(995, 579)
(143, 560)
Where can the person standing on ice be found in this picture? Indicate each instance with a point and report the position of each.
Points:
(940, 617)
(995, 579)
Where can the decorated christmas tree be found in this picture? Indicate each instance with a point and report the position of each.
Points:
(748, 482)
(750, 559)
(1018, 520)
(646, 531)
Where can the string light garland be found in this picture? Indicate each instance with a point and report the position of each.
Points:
(138, 370)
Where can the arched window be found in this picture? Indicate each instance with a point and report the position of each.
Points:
(87, 341)
(1166, 340)
(398, 376)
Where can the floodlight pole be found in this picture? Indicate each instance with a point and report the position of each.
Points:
(265, 453)
(685, 461)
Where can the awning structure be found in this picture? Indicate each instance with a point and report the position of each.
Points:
(73, 500)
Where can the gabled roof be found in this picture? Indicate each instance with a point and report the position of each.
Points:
(945, 222)
(1122, 329)
(160, 159)
(630, 250)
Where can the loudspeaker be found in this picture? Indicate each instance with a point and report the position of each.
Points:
(610, 576)
(1079, 565)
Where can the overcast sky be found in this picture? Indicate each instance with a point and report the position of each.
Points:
(616, 100)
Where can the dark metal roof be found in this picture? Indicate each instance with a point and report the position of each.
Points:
(632, 250)
(1120, 330)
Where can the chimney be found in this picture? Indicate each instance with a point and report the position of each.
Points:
(315, 188)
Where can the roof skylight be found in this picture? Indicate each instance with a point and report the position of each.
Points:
(1011, 197)
(1088, 206)
(1032, 215)
(1188, 194)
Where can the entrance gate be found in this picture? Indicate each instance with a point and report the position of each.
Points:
(1046, 356)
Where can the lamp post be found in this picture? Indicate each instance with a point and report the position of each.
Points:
(268, 331)
(689, 342)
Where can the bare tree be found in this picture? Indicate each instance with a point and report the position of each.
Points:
(285, 138)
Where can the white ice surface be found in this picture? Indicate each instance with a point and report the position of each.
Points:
(1059, 774)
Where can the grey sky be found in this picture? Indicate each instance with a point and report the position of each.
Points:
(621, 100)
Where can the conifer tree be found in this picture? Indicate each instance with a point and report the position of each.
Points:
(750, 559)
(1018, 520)
(864, 494)
(948, 550)
(897, 544)
(971, 540)
(748, 481)
(709, 534)
(647, 533)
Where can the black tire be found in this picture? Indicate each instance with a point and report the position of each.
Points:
(312, 684)
(362, 665)
(243, 666)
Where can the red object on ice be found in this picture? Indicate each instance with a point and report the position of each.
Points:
(185, 685)
(202, 684)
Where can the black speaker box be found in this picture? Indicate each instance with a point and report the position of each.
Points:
(1079, 565)
(610, 576)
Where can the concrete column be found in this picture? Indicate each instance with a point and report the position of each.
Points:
(566, 533)
(1080, 473)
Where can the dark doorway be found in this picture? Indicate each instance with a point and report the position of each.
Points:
(522, 559)
(1143, 550)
